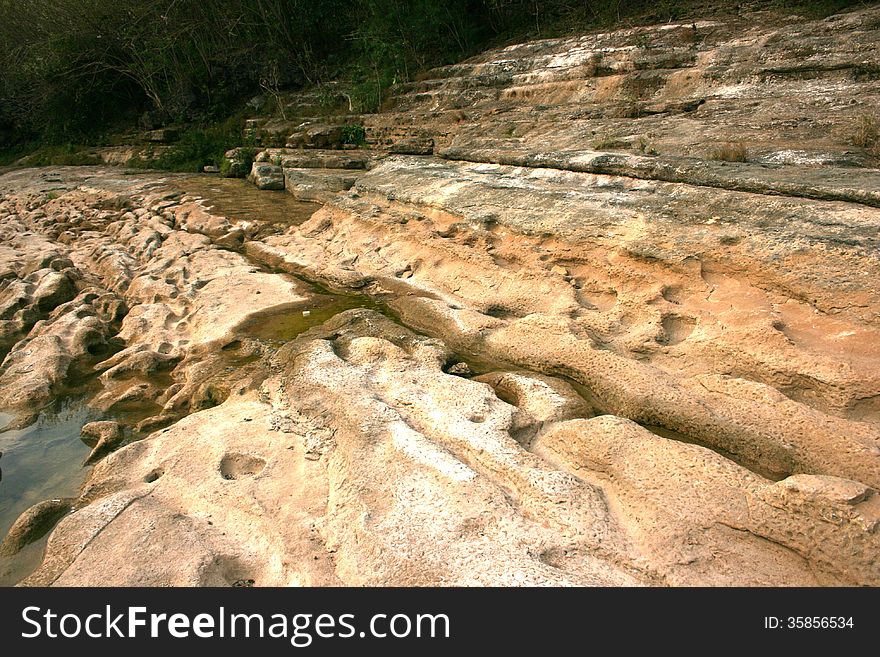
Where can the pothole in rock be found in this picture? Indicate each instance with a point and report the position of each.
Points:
(237, 466)
(866, 409)
(502, 312)
(154, 475)
(228, 571)
(283, 324)
(674, 294)
(468, 365)
(677, 329)
(601, 301)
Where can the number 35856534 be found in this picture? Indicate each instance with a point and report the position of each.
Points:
(808, 622)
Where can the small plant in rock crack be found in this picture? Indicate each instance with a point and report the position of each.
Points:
(643, 145)
(731, 152)
(866, 133)
(608, 142)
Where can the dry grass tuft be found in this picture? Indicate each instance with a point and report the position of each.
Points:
(731, 152)
(866, 133)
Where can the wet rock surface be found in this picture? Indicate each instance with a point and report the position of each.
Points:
(567, 362)
(33, 524)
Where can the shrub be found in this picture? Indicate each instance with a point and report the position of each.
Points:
(197, 148)
(354, 134)
(366, 94)
(241, 164)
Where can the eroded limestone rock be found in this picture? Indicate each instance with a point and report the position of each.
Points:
(104, 436)
(681, 380)
(33, 524)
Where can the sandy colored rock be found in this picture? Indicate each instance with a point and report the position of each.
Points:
(250, 491)
(104, 436)
(665, 484)
(149, 289)
(95, 432)
(541, 400)
(33, 524)
(413, 146)
(678, 352)
(789, 90)
(319, 136)
(237, 162)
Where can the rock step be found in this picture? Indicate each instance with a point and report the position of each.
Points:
(826, 184)
(588, 65)
(267, 176)
(316, 158)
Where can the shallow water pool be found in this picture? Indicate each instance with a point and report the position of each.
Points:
(40, 462)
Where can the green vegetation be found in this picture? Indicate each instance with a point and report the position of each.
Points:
(354, 135)
(197, 147)
(76, 71)
(58, 155)
(242, 165)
